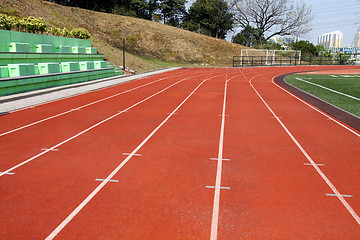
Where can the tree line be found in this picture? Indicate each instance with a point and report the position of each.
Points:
(212, 17)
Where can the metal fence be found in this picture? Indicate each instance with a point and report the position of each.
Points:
(244, 61)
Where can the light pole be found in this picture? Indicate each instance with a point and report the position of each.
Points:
(296, 49)
(124, 54)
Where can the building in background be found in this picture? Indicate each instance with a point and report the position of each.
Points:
(331, 39)
(357, 39)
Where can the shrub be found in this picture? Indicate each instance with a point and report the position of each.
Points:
(81, 33)
(65, 33)
(38, 25)
(6, 22)
(55, 31)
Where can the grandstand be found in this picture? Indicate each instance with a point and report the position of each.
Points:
(33, 61)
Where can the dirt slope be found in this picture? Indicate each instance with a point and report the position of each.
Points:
(150, 45)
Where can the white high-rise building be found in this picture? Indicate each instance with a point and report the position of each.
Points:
(357, 39)
(331, 39)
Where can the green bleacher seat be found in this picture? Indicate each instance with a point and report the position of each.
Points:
(100, 64)
(78, 50)
(19, 47)
(63, 49)
(22, 69)
(43, 48)
(46, 68)
(86, 65)
(91, 50)
(69, 66)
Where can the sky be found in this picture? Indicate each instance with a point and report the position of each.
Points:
(333, 15)
(329, 16)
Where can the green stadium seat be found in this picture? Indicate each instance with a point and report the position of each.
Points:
(43, 48)
(78, 50)
(19, 47)
(69, 66)
(100, 64)
(63, 49)
(86, 65)
(91, 50)
(46, 68)
(23, 69)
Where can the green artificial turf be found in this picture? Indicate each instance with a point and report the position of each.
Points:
(347, 84)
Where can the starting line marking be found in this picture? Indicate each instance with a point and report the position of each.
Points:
(135, 154)
(8, 173)
(101, 180)
(223, 159)
(319, 164)
(49, 149)
(172, 113)
(220, 187)
(220, 115)
(276, 117)
(334, 195)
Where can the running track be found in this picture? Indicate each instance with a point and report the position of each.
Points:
(188, 154)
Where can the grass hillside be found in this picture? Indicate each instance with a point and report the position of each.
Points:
(150, 45)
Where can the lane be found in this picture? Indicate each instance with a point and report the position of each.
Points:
(273, 194)
(41, 194)
(325, 141)
(163, 194)
(27, 144)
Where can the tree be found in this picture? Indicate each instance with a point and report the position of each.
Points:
(306, 47)
(249, 37)
(213, 17)
(172, 11)
(274, 17)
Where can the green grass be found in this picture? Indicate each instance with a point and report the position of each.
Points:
(346, 85)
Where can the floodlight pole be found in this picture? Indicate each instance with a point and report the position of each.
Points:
(124, 54)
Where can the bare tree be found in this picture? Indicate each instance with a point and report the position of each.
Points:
(274, 17)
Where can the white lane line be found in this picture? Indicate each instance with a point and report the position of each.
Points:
(83, 106)
(224, 159)
(112, 174)
(216, 205)
(88, 129)
(127, 154)
(329, 89)
(334, 195)
(220, 187)
(316, 109)
(8, 173)
(101, 180)
(49, 149)
(319, 164)
(333, 188)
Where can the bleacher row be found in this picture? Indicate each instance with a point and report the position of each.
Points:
(33, 61)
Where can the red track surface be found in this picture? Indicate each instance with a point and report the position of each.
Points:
(162, 194)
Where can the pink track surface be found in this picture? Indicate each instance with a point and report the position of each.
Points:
(269, 189)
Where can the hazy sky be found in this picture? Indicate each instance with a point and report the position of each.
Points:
(332, 15)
